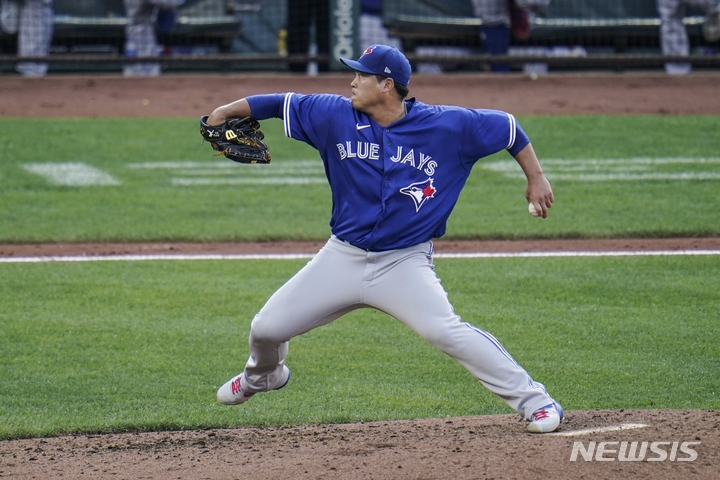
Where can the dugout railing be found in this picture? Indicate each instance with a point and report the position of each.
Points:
(93, 31)
(611, 34)
(605, 34)
(620, 25)
(91, 26)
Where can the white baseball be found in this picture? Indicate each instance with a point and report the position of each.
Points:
(533, 211)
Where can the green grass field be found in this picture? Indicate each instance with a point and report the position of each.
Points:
(612, 176)
(117, 346)
(129, 346)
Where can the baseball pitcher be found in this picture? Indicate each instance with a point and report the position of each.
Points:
(396, 168)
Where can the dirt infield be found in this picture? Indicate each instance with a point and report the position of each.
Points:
(482, 447)
(188, 95)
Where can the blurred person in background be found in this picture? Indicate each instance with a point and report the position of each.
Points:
(308, 32)
(32, 20)
(673, 34)
(500, 18)
(372, 30)
(143, 18)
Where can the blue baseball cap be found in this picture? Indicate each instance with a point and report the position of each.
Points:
(382, 60)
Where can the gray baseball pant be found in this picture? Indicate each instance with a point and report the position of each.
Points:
(402, 283)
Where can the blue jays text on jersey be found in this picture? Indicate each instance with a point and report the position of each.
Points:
(394, 186)
(371, 151)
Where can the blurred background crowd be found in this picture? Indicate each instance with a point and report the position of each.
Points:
(149, 37)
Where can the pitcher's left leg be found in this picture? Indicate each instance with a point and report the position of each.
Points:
(412, 293)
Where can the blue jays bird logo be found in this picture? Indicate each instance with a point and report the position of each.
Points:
(369, 50)
(420, 192)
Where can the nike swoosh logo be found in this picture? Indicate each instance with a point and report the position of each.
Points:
(360, 127)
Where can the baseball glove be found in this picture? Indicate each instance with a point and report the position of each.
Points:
(240, 140)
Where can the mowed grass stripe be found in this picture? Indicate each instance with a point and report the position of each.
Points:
(134, 346)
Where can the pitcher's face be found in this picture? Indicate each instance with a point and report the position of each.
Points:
(366, 91)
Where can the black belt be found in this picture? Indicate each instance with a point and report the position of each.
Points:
(353, 245)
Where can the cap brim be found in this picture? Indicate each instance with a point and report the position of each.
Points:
(355, 65)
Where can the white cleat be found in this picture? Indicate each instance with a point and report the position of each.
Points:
(233, 393)
(546, 419)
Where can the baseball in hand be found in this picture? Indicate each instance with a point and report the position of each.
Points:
(533, 211)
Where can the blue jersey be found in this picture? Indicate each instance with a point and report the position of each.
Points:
(394, 186)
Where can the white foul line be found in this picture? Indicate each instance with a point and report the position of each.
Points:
(299, 256)
(619, 253)
(625, 426)
(137, 258)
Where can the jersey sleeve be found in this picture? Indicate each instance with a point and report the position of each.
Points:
(309, 118)
(490, 131)
(266, 106)
(519, 138)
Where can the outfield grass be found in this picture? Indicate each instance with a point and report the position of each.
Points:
(105, 346)
(130, 346)
(612, 176)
